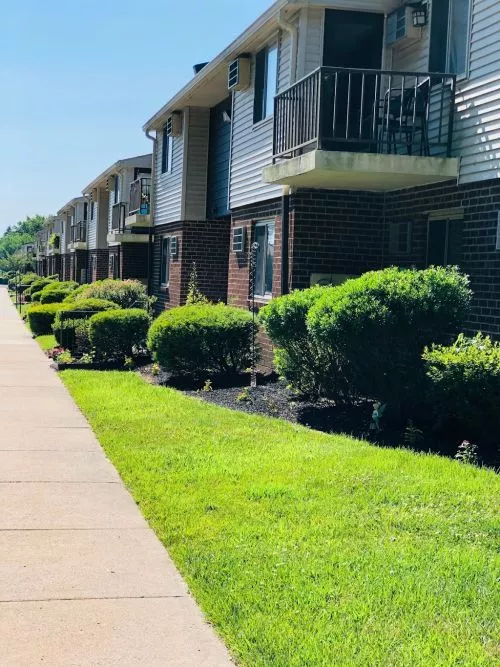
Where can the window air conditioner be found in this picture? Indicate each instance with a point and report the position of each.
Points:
(400, 27)
(238, 73)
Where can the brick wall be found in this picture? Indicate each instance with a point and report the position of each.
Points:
(66, 266)
(205, 242)
(98, 268)
(480, 259)
(78, 262)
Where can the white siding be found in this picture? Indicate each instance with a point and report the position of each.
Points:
(477, 122)
(310, 44)
(168, 186)
(412, 56)
(92, 230)
(252, 145)
(196, 164)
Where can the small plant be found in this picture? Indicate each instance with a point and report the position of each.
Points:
(64, 357)
(54, 241)
(207, 386)
(128, 364)
(244, 396)
(467, 453)
(194, 295)
(155, 368)
(413, 436)
(87, 358)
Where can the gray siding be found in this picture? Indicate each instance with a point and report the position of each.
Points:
(310, 44)
(252, 145)
(92, 229)
(168, 186)
(102, 217)
(196, 164)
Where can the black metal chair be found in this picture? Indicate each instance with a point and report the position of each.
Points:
(405, 116)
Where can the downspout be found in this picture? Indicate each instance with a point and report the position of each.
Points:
(285, 199)
(151, 211)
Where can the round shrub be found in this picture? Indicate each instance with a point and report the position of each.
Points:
(57, 291)
(465, 389)
(125, 293)
(73, 335)
(41, 317)
(378, 325)
(202, 338)
(116, 334)
(83, 308)
(75, 294)
(304, 364)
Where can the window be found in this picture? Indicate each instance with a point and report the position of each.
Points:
(116, 192)
(166, 149)
(92, 209)
(85, 210)
(444, 241)
(165, 261)
(399, 238)
(113, 266)
(450, 36)
(266, 81)
(264, 236)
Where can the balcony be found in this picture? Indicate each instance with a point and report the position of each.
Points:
(119, 232)
(139, 214)
(364, 130)
(78, 236)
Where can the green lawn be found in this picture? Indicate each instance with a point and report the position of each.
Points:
(306, 549)
(46, 342)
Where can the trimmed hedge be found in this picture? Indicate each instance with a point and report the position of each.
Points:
(73, 335)
(81, 308)
(202, 338)
(41, 317)
(56, 292)
(465, 389)
(116, 334)
(125, 293)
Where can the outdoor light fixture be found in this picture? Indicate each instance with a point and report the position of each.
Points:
(419, 16)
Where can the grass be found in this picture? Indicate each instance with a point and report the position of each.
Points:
(306, 549)
(46, 342)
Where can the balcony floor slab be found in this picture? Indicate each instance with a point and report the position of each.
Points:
(341, 170)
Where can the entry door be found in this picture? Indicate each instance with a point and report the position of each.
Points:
(352, 40)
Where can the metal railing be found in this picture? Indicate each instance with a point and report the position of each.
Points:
(373, 111)
(140, 196)
(118, 215)
(79, 232)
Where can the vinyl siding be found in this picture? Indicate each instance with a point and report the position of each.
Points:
(310, 43)
(252, 145)
(196, 164)
(102, 217)
(218, 161)
(168, 186)
(92, 229)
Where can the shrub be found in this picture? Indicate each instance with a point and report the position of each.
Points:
(308, 367)
(75, 294)
(379, 324)
(41, 317)
(202, 338)
(117, 333)
(73, 335)
(465, 388)
(83, 308)
(36, 288)
(125, 293)
(57, 291)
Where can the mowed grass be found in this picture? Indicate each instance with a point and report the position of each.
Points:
(303, 548)
(46, 342)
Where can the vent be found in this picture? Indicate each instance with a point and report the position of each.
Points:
(238, 74)
(399, 238)
(400, 27)
(173, 246)
(173, 126)
(238, 239)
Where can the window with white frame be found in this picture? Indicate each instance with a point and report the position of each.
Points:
(444, 240)
(264, 265)
(165, 261)
(266, 82)
(450, 36)
(167, 149)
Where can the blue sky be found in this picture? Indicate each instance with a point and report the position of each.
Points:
(78, 78)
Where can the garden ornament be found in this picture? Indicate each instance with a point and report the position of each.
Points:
(377, 414)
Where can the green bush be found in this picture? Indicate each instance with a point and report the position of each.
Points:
(379, 324)
(202, 338)
(35, 290)
(41, 317)
(125, 293)
(84, 308)
(73, 335)
(465, 388)
(75, 294)
(307, 366)
(116, 334)
(56, 292)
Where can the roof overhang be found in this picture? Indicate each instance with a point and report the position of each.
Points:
(209, 86)
(70, 204)
(101, 180)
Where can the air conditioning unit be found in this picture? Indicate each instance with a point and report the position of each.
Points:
(174, 248)
(238, 244)
(400, 27)
(238, 73)
(173, 126)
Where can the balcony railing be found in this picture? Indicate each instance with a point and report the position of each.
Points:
(118, 215)
(79, 232)
(140, 196)
(372, 111)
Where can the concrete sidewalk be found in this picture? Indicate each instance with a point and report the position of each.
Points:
(83, 579)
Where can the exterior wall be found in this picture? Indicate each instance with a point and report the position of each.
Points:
(92, 226)
(134, 261)
(194, 200)
(101, 214)
(219, 153)
(310, 43)
(204, 242)
(54, 265)
(66, 266)
(168, 186)
(98, 268)
(78, 263)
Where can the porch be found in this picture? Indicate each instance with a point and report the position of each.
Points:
(139, 210)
